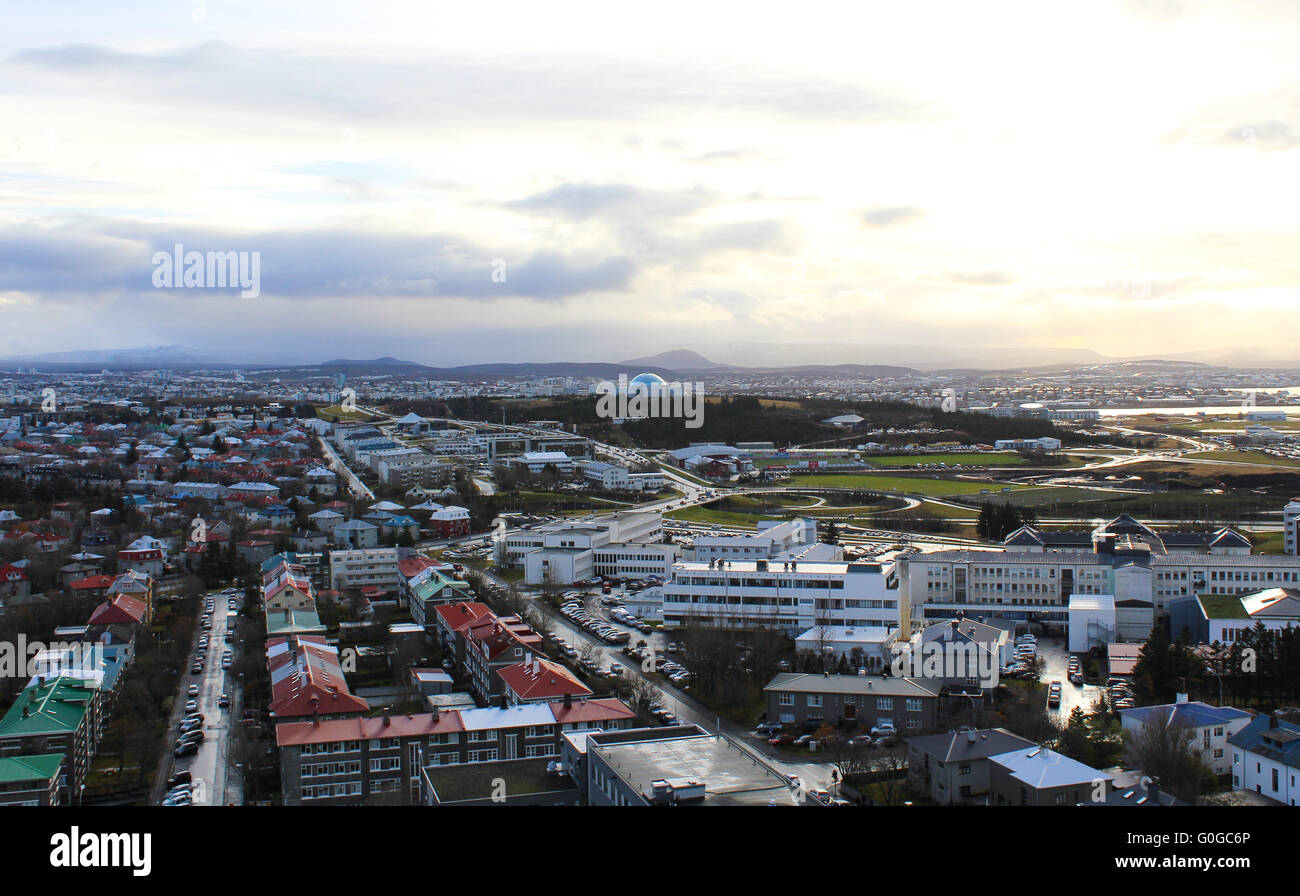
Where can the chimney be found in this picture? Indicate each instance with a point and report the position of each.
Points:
(971, 735)
(954, 628)
(1272, 721)
(1180, 698)
(568, 701)
(387, 721)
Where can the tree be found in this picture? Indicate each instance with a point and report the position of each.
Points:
(831, 535)
(1165, 752)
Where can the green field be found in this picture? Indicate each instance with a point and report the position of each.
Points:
(917, 485)
(1245, 457)
(984, 459)
(721, 517)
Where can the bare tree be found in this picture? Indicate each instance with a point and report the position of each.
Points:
(1166, 753)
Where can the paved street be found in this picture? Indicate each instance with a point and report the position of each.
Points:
(221, 784)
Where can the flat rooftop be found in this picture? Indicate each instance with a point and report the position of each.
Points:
(731, 776)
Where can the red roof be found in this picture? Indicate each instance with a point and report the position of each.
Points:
(542, 679)
(457, 616)
(118, 609)
(607, 709)
(326, 730)
(92, 583)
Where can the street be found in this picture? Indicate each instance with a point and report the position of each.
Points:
(1056, 661)
(214, 781)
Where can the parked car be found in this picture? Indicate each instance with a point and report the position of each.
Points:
(884, 729)
(186, 749)
(1054, 694)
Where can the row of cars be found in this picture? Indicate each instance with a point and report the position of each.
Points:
(1120, 693)
(575, 611)
(883, 734)
(1025, 665)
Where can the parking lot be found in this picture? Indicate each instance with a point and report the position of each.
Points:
(1056, 661)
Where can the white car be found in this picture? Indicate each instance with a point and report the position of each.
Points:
(884, 729)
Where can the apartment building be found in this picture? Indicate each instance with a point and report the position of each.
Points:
(790, 595)
(361, 760)
(953, 768)
(31, 780)
(804, 700)
(57, 715)
(431, 588)
(366, 568)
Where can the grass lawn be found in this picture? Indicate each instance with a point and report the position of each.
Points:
(1268, 542)
(333, 411)
(980, 459)
(1245, 457)
(722, 517)
(906, 484)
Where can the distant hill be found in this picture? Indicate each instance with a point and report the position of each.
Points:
(677, 359)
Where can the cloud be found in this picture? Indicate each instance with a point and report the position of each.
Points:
(890, 215)
(581, 201)
(98, 257)
(444, 87)
(982, 278)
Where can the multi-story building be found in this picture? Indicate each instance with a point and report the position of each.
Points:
(559, 553)
(1266, 759)
(1033, 580)
(773, 540)
(677, 765)
(31, 780)
(1207, 728)
(1291, 526)
(954, 767)
(802, 700)
(366, 568)
(58, 715)
(379, 759)
(790, 595)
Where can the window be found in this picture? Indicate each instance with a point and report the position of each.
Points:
(886, 703)
(814, 699)
(785, 699)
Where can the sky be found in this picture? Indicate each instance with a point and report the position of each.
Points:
(596, 181)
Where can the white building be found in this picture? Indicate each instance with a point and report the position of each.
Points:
(1266, 759)
(1035, 582)
(772, 540)
(1209, 727)
(537, 461)
(566, 551)
(365, 568)
(790, 595)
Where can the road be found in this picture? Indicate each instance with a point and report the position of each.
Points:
(682, 704)
(355, 485)
(215, 781)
